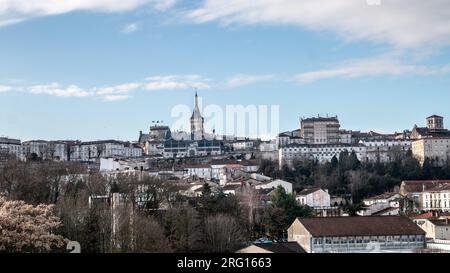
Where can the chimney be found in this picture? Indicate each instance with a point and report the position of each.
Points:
(423, 187)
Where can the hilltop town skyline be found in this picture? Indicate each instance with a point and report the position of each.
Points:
(76, 71)
(160, 121)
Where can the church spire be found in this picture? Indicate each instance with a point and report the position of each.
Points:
(196, 121)
(196, 99)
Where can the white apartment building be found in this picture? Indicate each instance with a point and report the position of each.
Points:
(274, 184)
(46, 150)
(345, 136)
(322, 153)
(385, 150)
(384, 204)
(320, 130)
(200, 171)
(94, 150)
(120, 165)
(242, 145)
(427, 195)
(437, 198)
(268, 146)
(314, 198)
(153, 148)
(192, 148)
(132, 150)
(436, 229)
(436, 149)
(284, 139)
(12, 147)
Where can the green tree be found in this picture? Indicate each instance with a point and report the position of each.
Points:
(334, 162)
(353, 209)
(283, 211)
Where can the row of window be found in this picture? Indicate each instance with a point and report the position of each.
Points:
(367, 239)
(435, 196)
(437, 204)
(321, 149)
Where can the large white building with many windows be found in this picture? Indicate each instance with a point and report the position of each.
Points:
(432, 142)
(435, 149)
(385, 150)
(322, 152)
(12, 147)
(436, 198)
(320, 130)
(94, 150)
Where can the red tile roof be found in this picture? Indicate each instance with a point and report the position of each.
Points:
(420, 185)
(426, 215)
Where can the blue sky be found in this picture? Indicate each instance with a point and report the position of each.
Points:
(104, 69)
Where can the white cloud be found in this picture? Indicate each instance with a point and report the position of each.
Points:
(401, 23)
(373, 67)
(118, 92)
(163, 5)
(117, 89)
(177, 82)
(240, 80)
(128, 28)
(113, 98)
(15, 11)
(55, 89)
(5, 88)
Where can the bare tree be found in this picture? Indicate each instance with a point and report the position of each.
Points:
(148, 236)
(183, 228)
(223, 233)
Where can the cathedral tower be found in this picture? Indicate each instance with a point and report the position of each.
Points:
(196, 122)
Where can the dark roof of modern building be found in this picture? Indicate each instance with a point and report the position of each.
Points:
(288, 247)
(285, 134)
(371, 135)
(361, 226)
(35, 140)
(435, 116)
(102, 142)
(314, 119)
(5, 140)
(159, 127)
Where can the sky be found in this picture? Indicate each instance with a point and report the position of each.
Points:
(106, 69)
